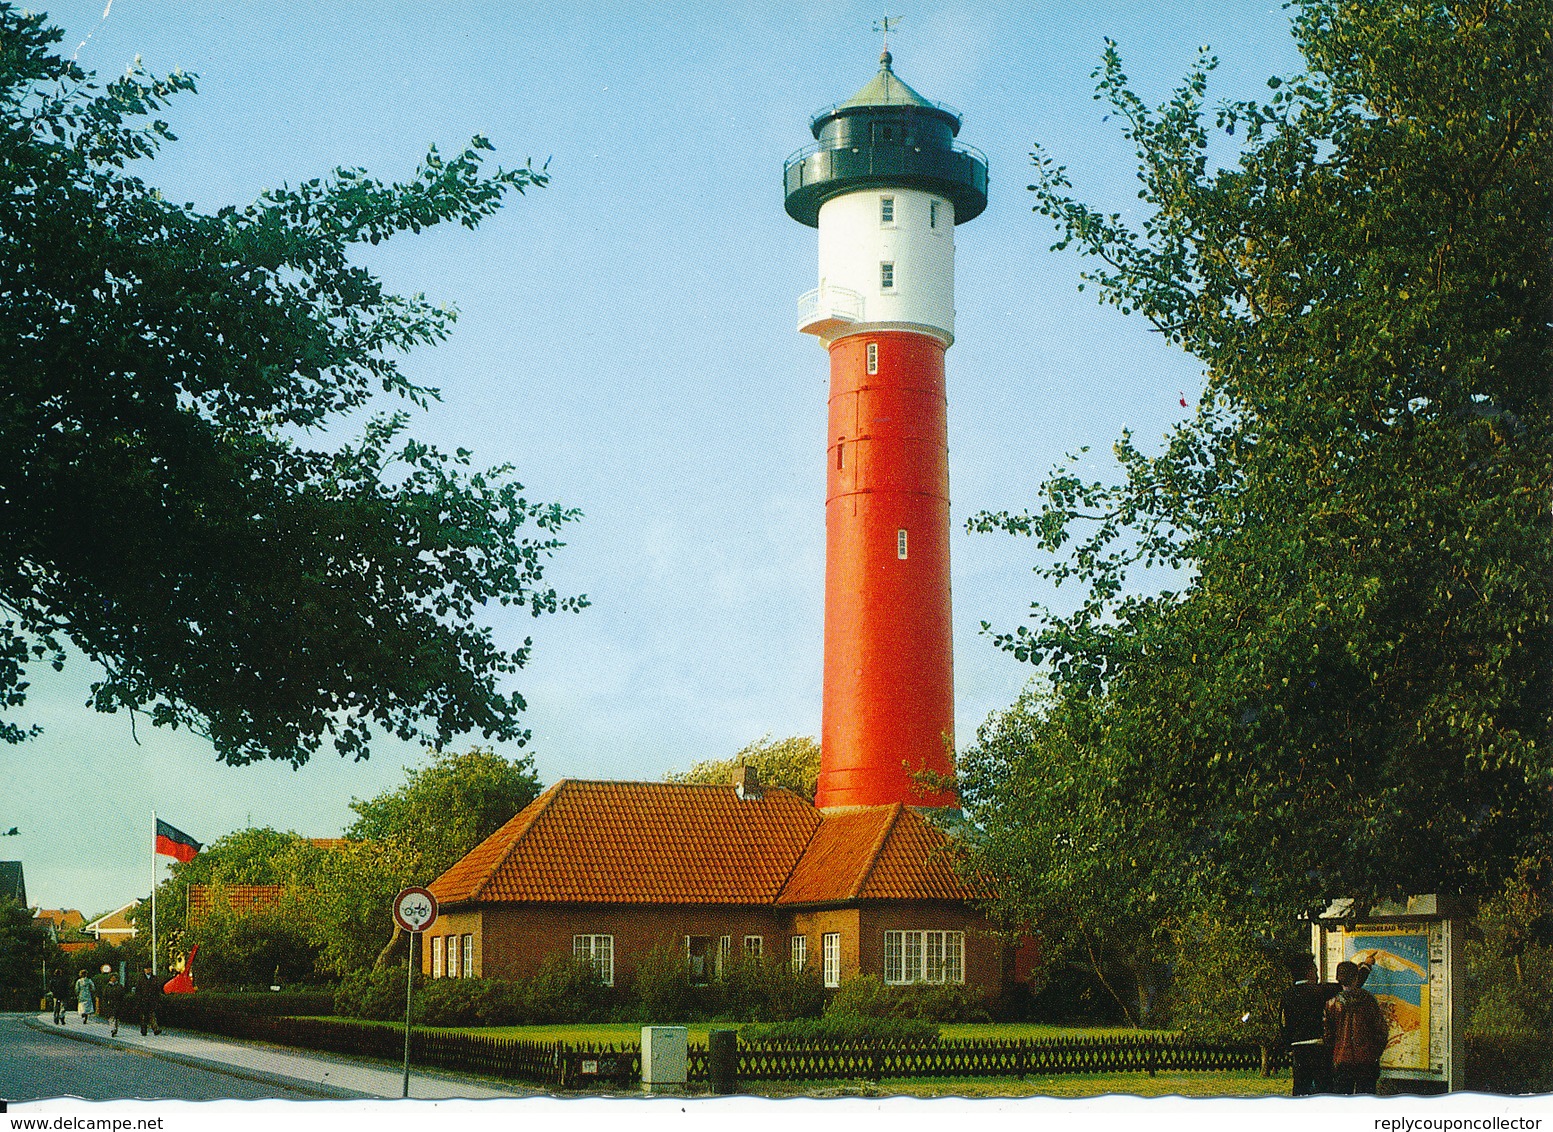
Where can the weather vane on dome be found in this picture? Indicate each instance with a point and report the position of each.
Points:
(885, 25)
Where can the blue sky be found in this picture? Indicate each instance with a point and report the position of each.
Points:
(626, 340)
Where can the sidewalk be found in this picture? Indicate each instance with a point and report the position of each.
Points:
(326, 1076)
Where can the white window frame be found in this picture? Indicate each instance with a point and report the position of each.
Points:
(887, 275)
(830, 959)
(598, 950)
(451, 967)
(436, 957)
(724, 954)
(754, 946)
(873, 357)
(928, 956)
(800, 951)
(469, 957)
(887, 212)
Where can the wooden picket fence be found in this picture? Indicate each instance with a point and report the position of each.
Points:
(558, 1065)
(975, 1057)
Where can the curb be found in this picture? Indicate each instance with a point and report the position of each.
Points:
(325, 1092)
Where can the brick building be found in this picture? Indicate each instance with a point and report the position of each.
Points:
(610, 870)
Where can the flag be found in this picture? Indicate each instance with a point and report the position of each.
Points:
(173, 842)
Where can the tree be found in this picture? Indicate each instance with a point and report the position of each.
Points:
(793, 763)
(411, 835)
(159, 508)
(25, 947)
(1349, 693)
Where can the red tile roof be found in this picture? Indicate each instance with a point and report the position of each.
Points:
(638, 843)
(671, 843)
(240, 897)
(63, 919)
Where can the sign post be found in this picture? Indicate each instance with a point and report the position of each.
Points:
(415, 910)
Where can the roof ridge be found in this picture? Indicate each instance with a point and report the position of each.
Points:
(873, 854)
(548, 799)
(792, 867)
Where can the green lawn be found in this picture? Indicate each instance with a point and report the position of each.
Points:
(1207, 1084)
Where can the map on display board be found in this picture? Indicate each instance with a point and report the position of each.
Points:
(1400, 980)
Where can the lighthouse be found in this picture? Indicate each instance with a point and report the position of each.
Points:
(885, 183)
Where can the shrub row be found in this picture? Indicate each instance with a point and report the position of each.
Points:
(270, 1004)
(564, 990)
(1509, 1062)
(869, 996)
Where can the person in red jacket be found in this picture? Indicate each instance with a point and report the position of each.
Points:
(1356, 1031)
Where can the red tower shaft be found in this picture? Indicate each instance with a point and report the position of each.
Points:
(889, 676)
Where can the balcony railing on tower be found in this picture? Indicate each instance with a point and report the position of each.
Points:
(826, 309)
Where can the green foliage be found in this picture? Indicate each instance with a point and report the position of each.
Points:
(1346, 693)
(660, 984)
(1509, 1063)
(1227, 982)
(567, 989)
(1042, 785)
(793, 763)
(285, 1003)
(869, 996)
(24, 949)
(764, 990)
(255, 947)
(375, 993)
(161, 511)
(1510, 962)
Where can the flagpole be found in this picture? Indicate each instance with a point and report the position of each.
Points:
(152, 892)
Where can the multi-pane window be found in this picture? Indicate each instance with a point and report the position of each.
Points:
(886, 210)
(724, 952)
(887, 275)
(800, 951)
(924, 957)
(830, 959)
(873, 357)
(932, 214)
(598, 950)
(754, 945)
(469, 957)
(452, 956)
(900, 544)
(436, 957)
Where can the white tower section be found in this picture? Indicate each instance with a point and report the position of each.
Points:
(886, 263)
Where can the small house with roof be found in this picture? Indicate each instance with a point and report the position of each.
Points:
(114, 926)
(608, 871)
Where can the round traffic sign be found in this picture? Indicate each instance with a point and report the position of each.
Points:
(415, 909)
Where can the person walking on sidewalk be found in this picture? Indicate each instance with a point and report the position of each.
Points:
(59, 991)
(112, 1005)
(148, 996)
(85, 997)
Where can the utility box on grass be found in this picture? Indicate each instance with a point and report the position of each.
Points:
(665, 1058)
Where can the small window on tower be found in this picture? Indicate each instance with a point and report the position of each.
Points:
(932, 214)
(886, 210)
(900, 544)
(873, 357)
(841, 448)
(887, 276)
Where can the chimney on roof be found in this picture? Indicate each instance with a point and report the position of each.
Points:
(746, 783)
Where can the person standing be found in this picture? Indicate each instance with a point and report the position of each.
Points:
(85, 997)
(1302, 1034)
(1357, 1031)
(148, 996)
(112, 1005)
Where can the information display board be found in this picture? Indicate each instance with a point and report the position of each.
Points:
(1416, 969)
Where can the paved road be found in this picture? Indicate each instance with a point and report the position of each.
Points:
(38, 1064)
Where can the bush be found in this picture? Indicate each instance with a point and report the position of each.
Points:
(1509, 1063)
(567, 989)
(661, 986)
(269, 1004)
(868, 996)
(839, 1028)
(377, 994)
